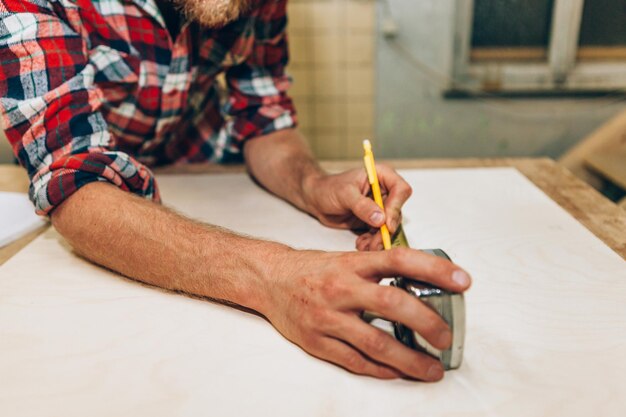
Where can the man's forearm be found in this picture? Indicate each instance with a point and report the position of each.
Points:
(145, 241)
(284, 164)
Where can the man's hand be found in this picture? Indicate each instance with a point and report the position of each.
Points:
(317, 298)
(283, 163)
(342, 201)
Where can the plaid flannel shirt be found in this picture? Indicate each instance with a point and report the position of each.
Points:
(96, 90)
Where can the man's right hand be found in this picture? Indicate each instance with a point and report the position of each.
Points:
(318, 297)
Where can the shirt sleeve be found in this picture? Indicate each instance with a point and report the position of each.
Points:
(50, 108)
(258, 103)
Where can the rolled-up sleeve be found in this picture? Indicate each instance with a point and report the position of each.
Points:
(258, 103)
(50, 108)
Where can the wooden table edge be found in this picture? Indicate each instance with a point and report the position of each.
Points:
(599, 215)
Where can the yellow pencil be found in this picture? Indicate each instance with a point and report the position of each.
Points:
(372, 176)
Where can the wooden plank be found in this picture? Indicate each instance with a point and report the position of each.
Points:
(601, 53)
(508, 54)
(584, 53)
(587, 205)
(610, 164)
(609, 136)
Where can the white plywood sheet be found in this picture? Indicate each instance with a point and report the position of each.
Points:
(546, 318)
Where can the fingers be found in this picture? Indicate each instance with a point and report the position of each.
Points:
(343, 221)
(396, 305)
(414, 264)
(398, 192)
(339, 353)
(385, 349)
(363, 207)
(362, 242)
(370, 241)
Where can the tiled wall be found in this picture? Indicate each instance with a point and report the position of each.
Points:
(332, 63)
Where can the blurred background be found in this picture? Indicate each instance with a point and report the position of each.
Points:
(463, 78)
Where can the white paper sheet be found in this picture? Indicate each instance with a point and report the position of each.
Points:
(17, 217)
(545, 337)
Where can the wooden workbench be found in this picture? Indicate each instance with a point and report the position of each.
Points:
(602, 217)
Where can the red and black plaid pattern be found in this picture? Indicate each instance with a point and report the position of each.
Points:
(96, 90)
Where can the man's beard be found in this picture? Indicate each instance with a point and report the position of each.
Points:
(213, 13)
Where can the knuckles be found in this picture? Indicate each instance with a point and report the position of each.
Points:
(347, 261)
(399, 256)
(375, 344)
(322, 319)
(332, 289)
(315, 304)
(310, 341)
(354, 362)
(431, 266)
(387, 299)
(408, 190)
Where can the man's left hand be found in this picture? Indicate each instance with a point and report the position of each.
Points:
(342, 201)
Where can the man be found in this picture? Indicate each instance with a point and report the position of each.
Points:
(93, 92)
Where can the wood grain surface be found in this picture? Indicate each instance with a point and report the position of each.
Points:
(609, 136)
(610, 164)
(545, 317)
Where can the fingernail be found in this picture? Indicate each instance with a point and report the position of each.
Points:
(380, 246)
(377, 217)
(435, 373)
(461, 278)
(445, 338)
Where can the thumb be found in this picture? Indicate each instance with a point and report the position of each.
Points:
(365, 208)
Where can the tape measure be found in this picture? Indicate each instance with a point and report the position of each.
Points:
(450, 306)
(399, 239)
